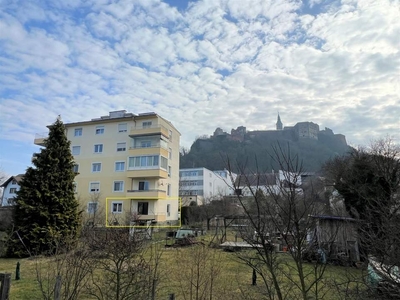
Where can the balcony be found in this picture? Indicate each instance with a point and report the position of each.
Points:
(161, 217)
(153, 150)
(137, 131)
(39, 138)
(146, 194)
(147, 173)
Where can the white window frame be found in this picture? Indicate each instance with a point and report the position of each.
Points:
(119, 162)
(90, 187)
(76, 166)
(98, 147)
(169, 189)
(119, 207)
(169, 171)
(170, 153)
(147, 124)
(78, 131)
(123, 127)
(76, 150)
(123, 185)
(120, 147)
(94, 167)
(168, 210)
(12, 191)
(100, 129)
(91, 210)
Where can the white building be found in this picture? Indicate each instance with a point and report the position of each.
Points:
(11, 187)
(202, 185)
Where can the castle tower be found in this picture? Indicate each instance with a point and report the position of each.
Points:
(279, 125)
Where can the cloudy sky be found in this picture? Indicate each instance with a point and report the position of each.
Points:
(201, 64)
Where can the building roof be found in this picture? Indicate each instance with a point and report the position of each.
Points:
(338, 218)
(17, 178)
(256, 179)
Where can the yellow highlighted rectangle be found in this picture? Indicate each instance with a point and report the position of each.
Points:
(141, 226)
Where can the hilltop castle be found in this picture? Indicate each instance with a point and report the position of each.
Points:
(300, 131)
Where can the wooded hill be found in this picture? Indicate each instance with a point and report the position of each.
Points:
(254, 151)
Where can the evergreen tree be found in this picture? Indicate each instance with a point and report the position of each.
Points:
(46, 212)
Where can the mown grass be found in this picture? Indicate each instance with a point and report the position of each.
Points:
(234, 277)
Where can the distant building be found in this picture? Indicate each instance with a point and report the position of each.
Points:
(11, 186)
(306, 130)
(300, 131)
(202, 185)
(279, 124)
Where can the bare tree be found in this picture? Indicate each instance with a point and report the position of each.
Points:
(197, 271)
(280, 211)
(120, 270)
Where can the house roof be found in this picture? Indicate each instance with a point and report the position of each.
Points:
(339, 218)
(255, 179)
(17, 178)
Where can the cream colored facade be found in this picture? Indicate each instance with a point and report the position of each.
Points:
(130, 160)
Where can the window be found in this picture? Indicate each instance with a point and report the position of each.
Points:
(14, 182)
(145, 144)
(94, 187)
(143, 185)
(121, 147)
(75, 168)
(143, 161)
(78, 132)
(119, 166)
(92, 207)
(168, 210)
(164, 163)
(116, 207)
(76, 150)
(143, 208)
(11, 201)
(13, 190)
(98, 148)
(118, 186)
(122, 127)
(96, 167)
(170, 135)
(146, 124)
(169, 171)
(100, 129)
(169, 190)
(170, 153)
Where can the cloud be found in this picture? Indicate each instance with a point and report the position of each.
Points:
(222, 63)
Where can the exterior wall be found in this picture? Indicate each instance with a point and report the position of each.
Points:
(203, 182)
(308, 130)
(9, 193)
(152, 184)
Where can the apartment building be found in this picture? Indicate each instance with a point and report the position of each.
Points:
(200, 185)
(127, 167)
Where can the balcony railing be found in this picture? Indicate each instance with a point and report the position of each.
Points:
(40, 137)
(146, 194)
(149, 130)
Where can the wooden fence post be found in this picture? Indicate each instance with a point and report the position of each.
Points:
(5, 285)
(57, 288)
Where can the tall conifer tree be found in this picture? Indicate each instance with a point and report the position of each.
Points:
(46, 210)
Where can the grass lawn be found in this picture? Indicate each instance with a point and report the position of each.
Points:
(233, 278)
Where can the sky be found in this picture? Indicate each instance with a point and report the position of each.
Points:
(200, 64)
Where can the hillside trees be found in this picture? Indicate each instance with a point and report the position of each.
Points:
(46, 209)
